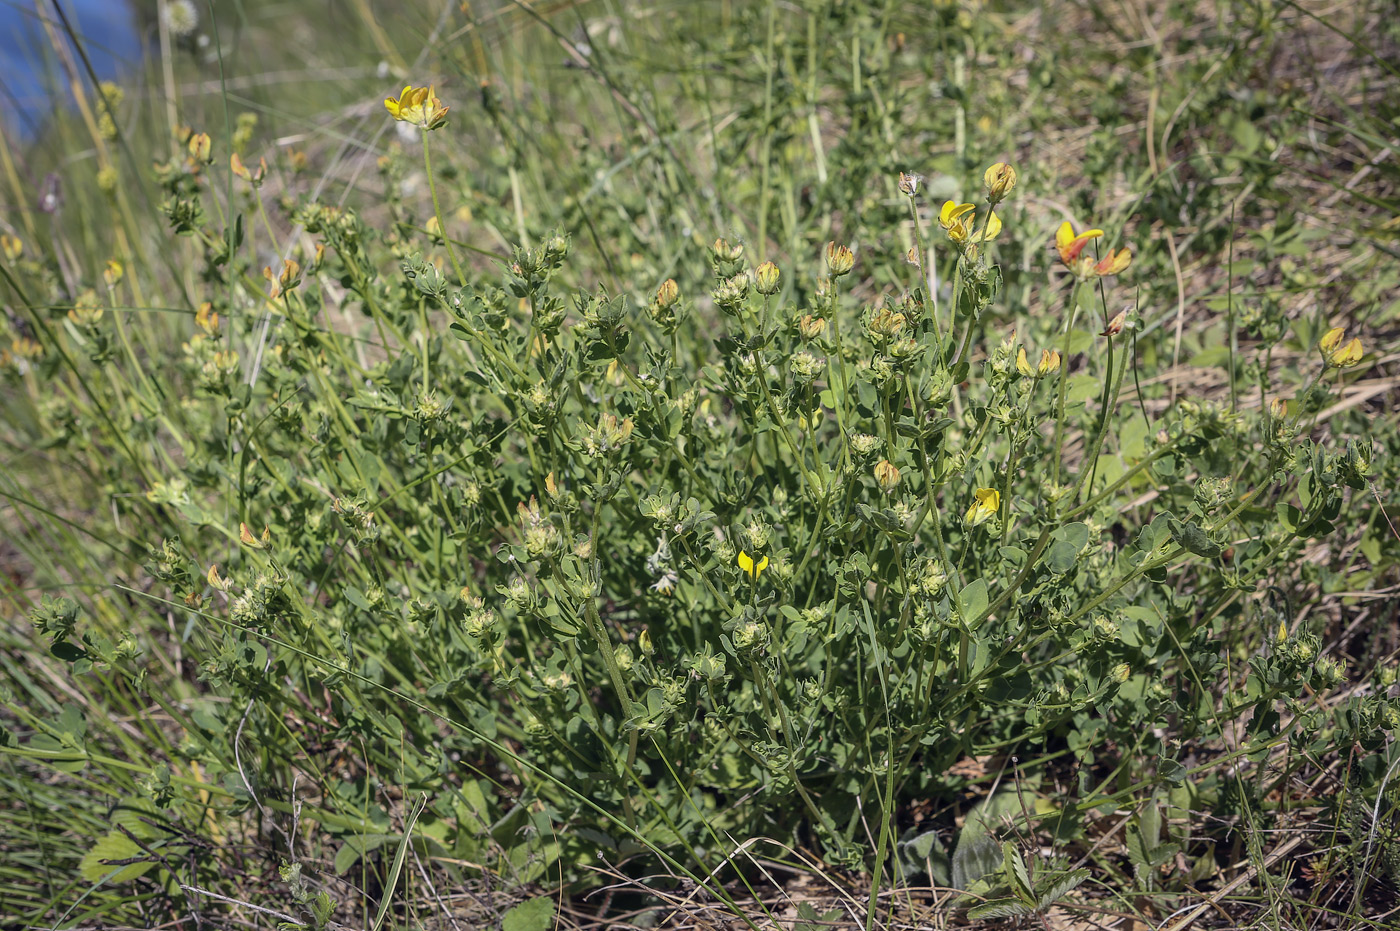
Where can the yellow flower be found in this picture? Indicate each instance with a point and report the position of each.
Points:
(1049, 362)
(418, 106)
(752, 569)
(985, 504)
(956, 220)
(1023, 365)
(953, 217)
(1348, 355)
(1331, 340)
(11, 246)
(1070, 244)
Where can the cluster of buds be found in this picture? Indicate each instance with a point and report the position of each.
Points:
(730, 293)
(86, 310)
(726, 258)
(285, 280)
(883, 325)
(1338, 354)
(810, 327)
(1070, 245)
(254, 177)
(610, 434)
(1049, 363)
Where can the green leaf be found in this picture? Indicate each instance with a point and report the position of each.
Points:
(1014, 868)
(97, 864)
(535, 914)
(1061, 885)
(1193, 539)
(977, 856)
(999, 908)
(972, 600)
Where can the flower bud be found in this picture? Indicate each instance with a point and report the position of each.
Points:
(839, 259)
(887, 475)
(811, 327)
(1331, 340)
(667, 294)
(886, 324)
(1023, 364)
(201, 148)
(999, 179)
(644, 643)
(766, 278)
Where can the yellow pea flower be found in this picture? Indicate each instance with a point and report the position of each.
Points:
(418, 106)
(752, 569)
(986, 502)
(1331, 340)
(1348, 355)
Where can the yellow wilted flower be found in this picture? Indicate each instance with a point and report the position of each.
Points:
(752, 569)
(839, 259)
(418, 106)
(246, 537)
(887, 476)
(985, 504)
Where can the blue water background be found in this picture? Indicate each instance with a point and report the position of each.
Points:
(29, 70)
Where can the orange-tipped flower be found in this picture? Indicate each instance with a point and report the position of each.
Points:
(1070, 244)
(418, 106)
(1113, 262)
